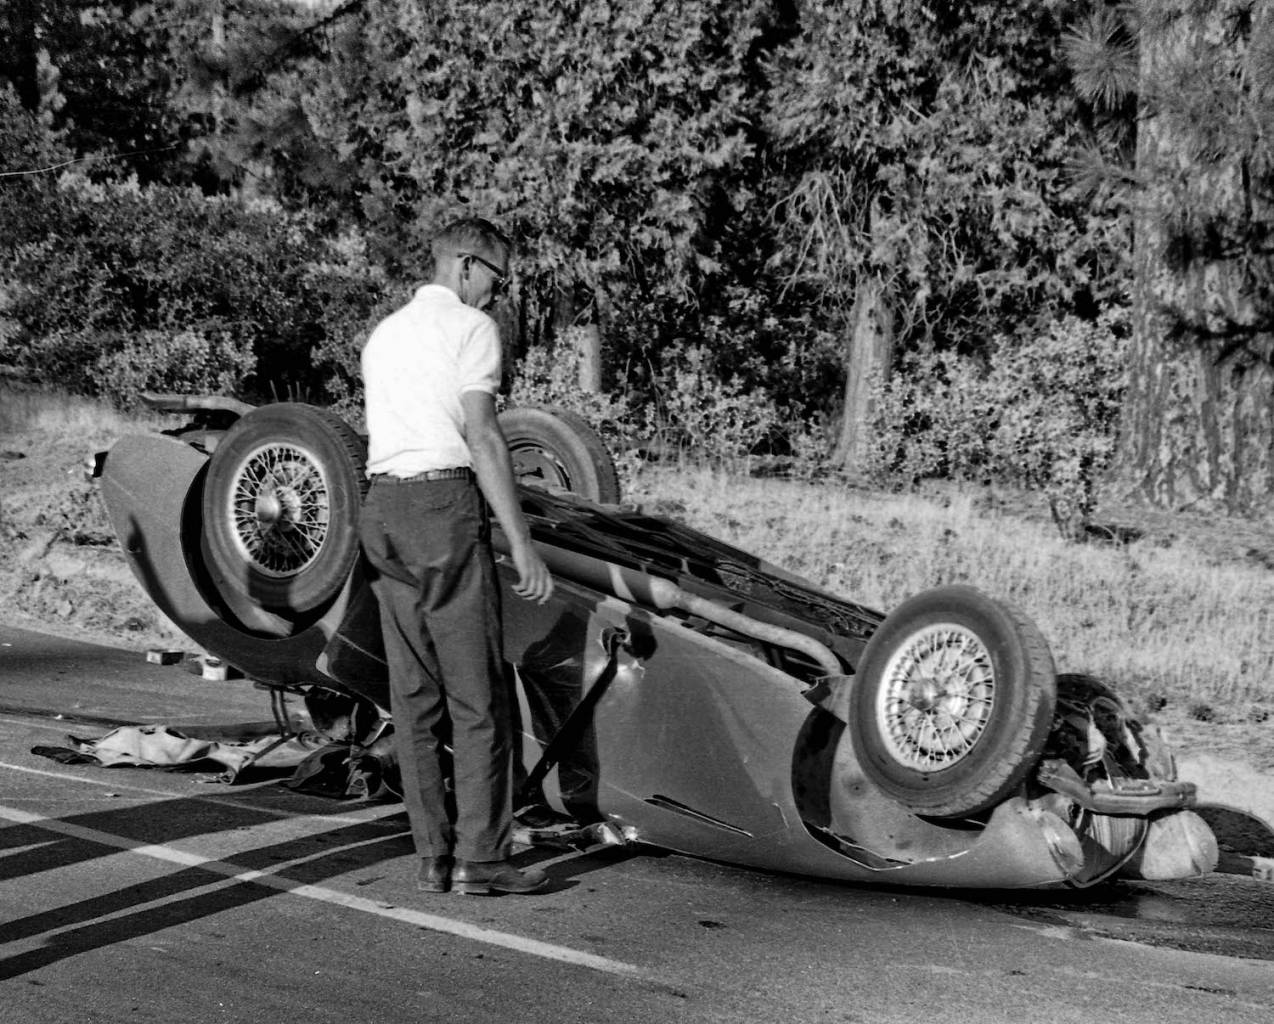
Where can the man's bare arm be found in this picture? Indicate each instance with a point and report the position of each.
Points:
(494, 470)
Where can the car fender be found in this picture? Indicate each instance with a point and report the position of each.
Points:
(157, 526)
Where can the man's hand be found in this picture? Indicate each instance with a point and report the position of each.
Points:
(494, 469)
(534, 582)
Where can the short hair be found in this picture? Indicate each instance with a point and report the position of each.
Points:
(473, 235)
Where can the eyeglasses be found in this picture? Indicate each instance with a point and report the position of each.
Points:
(501, 279)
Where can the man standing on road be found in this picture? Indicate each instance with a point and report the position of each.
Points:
(430, 373)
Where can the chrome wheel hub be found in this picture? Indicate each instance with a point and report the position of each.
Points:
(937, 697)
(280, 508)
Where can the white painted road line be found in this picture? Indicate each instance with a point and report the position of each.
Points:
(432, 922)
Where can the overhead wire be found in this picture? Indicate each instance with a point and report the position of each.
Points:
(83, 159)
(267, 63)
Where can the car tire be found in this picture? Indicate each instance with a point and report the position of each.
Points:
(952, 702)
(280, 506)
(557, 450)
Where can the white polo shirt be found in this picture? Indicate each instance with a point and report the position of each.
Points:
(416, 364)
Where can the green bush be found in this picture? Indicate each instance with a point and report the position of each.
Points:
(933, 419)
(353, 296)
(772, 339)
(549, 375)
(1040, 414)
(184, 363)
(696, 410)
(124, 277)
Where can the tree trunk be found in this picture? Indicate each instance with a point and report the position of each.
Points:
(868, 353)
(588, 350)
(1197, 427)
(575, 319)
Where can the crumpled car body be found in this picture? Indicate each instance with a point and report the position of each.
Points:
(676, 691)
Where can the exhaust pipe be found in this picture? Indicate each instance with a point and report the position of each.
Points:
(639, 587)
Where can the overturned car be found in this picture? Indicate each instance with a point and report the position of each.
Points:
(675, 691)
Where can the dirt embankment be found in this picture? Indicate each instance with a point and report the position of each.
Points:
(61, 568)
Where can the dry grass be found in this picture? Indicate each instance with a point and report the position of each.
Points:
(31, 411)
(60, 567)
(1161, 618)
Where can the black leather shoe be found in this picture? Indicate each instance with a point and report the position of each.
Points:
(478, 878)
(434, 874)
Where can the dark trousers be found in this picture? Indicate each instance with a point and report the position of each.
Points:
(434, 579)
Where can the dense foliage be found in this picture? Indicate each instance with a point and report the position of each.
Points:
(929, 144)
(99, 74)
(1039, 413)
(616, 142)
(709, 186)
(165, 290)
(710, 180)
(113, 288)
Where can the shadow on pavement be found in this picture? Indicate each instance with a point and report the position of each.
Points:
(78, 927)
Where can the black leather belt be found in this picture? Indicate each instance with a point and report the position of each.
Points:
(456, 473)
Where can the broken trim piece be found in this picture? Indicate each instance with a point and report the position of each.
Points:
(1137, 797)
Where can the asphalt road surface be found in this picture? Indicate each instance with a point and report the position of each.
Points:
(139, 895)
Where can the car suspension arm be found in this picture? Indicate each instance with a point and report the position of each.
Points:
(1129, 796)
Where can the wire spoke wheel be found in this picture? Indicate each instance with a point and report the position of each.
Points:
(937, 697)
(952, 702)
(281, 509)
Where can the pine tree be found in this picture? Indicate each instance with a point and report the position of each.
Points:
(1197, 429)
